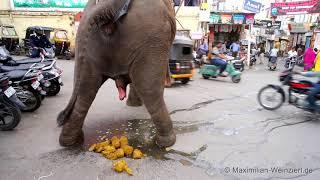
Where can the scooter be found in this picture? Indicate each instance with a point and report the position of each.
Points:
(208, 71)
(272, 97)
(10, 105)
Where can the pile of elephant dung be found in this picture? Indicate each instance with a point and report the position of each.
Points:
(117, 148)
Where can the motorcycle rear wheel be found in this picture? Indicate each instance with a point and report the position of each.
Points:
(54, 88)
(31, 98)
(274, 92)
(8, 110)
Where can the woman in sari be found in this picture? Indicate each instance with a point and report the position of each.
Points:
(309, 59)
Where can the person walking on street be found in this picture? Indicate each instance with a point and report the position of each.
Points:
(235, 48)
(317, 63)
(203, 49)
(309, 59)
(261, 52)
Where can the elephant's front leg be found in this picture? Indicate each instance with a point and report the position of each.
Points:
(72, 133)
(133, 99)
(147, 77)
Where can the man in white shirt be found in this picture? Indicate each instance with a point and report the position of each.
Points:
(292, 52)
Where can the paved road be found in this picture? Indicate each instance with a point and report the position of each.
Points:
(222, 133)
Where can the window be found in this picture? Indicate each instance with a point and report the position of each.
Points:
(186, 50)
(192, 2)
(176, 2)
(61, 35)
(8, 31)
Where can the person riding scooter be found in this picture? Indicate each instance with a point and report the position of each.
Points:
(314, 91)
(219, 59)
(38, 42)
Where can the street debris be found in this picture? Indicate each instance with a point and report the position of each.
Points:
(117, 148)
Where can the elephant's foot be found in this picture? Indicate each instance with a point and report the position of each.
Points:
(166, 141)
(134, 102)
(71, 138)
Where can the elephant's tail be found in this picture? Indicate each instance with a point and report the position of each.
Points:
(64, 115)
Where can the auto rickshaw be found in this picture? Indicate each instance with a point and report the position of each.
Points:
(45, 30)
(181, 58)
(9, 38)
(62, 43)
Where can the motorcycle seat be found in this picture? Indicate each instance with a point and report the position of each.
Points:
(15, 75)
(13, 68)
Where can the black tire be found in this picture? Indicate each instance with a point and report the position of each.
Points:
(205, 76)
(6, 106)
(31, 105)
(54, 88)
(241, 69)
(236, 79)
(268, 107)
(185, 80)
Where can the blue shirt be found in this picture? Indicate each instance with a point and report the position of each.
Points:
(311, 74)
(235, 47)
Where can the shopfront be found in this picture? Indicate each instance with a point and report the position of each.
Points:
(299, 35)
(229, 27)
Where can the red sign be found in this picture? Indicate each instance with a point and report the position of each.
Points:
(298, 7)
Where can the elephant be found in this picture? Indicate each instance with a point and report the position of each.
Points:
(128, 42)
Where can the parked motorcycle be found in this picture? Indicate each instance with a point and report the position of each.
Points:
(238, 64)
(52, 81)
(10, 105)
(52, 73)
(272, 97)
(27, 85)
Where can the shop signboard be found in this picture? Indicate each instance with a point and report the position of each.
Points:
(214, 18)
(238, 18)
(296, 7)
(249, 18)
(267, 24)
(49, 4)
(226, 18)
(252, 6)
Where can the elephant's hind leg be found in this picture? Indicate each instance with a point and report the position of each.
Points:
(72, 134)
(148, 78)
(133, 99)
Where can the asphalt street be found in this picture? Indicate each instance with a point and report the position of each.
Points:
(222, 133)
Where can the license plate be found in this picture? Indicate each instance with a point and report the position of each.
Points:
(40, 77)
(60, 80)
(9, 92)
(35, 84)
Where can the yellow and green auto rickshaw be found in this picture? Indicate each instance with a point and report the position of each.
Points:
(62, 43)
(181, 58)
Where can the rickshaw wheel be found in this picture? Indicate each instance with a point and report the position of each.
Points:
(185, 80)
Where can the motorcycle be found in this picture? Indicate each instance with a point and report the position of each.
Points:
(52, 73)
(208, 71)
(28, 87)
(238, 64)
(297, 93)
(272, 64)
(10, 105)
(290, 62)
(52, 81)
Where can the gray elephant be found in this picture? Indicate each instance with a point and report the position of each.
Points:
(129, 42)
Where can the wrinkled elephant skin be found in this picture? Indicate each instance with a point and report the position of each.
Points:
(133, 50)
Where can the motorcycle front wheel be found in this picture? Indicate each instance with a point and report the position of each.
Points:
(270, 98)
